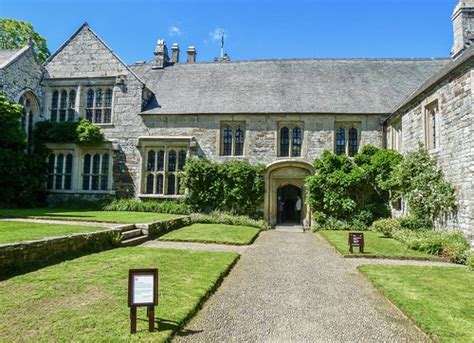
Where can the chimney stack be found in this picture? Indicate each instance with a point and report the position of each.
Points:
(161, 55)
(191, 55)
(175, 53)
(463, 21)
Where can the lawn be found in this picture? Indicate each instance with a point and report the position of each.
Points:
(439, 299)
(86, 299)
(375, 244)
(213, 233)
(85, 215)
(21, 231)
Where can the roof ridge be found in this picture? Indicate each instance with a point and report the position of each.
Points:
(17, 53)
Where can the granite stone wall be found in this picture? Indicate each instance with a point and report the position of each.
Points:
(455, 148)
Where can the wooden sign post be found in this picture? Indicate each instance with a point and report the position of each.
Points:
(356, 239)
(142, 292)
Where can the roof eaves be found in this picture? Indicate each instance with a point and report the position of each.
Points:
(439, 76)
(15, 57)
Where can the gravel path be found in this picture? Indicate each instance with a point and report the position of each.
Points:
(291, 287)
(354, 262)
(64, 222)
(195, 246)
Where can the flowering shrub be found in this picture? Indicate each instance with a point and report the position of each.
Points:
(423, 186)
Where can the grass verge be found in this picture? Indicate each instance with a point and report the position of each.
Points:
(87, 297)
(213, 233)
(375, 246)
(86, 215)
(11, 232)
(438, 299)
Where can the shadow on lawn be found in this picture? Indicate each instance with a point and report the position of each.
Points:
(171, 325)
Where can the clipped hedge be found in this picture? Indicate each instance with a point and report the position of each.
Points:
(229, 219)
(236, 187)
(387, 227)
(175, 207)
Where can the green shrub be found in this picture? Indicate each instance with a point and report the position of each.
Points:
(414, 223)
(351, 190)
(229, 219)
(386, 227)
(451, 245)
(82, 132)
(335, 224)
(175, 207)
(235, 187)
(423, 186)
(470, 261)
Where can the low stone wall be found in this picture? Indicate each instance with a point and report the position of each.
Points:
(160, 228)
(16, 258)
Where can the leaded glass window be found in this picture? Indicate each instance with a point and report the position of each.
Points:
(60, 167)
(297, 141)
(95, 172)
(227, 151)
(284, 141)
(353, 141)
(99, 105)
(181, 159)
(340, 141)
(63, 104)
(171, 184)
(239, 142)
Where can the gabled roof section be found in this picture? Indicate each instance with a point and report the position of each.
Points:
(7, 57)
(459, 62)
(85, 54)
(291, 86)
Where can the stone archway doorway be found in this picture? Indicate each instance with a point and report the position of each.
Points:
(289, 205)
(286, 178)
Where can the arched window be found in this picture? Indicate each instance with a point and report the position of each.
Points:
(284, 141)
(90, 105)
(72, 105)
(227, 144)
(239, 142)
(151, 161)
(353, 141)
(161, 161)
(30, 108)
(62, 106)
(171, 184)
(181, 159)
(59, 172)
(149, 184)
(340, 141)
(95, 172)
(159, 184)
(54, 106)
(68, 172)
(99, 105)
(297, 141)
(172, 160)
(51, 161)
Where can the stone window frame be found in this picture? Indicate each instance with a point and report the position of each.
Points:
(395, 135)
(347, 126)
(67, 105)
(291, 125)
(431, 125)
(167, 145)
(91, 110)
(236, 149)
(78, 154)
(102, 176)
(63, 174)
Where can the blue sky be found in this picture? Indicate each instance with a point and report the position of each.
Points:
(255, 29)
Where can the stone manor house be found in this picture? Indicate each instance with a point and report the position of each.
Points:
(283, 113)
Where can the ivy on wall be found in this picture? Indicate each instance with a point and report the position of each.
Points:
(81, 132)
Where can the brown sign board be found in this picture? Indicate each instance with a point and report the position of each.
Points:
(356, 239)
(142, 292)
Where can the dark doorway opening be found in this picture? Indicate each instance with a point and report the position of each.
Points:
(289, 205)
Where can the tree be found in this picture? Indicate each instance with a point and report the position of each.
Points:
(22, 175)
(16, 34)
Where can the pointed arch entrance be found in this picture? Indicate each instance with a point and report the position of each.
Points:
(284, 182)
(31, 110)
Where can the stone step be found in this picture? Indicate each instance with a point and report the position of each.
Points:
(134, 241)
(131, 233)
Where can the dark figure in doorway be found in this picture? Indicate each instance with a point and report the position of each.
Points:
(281, 204)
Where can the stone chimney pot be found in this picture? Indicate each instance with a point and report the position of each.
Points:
(191, 54)
(175, 53)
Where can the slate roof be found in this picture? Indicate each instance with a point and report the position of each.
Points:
(10, 55)
(368, 86)
(465, 58)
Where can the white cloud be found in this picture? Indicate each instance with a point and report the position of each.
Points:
(216, 34)
(174, 31)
